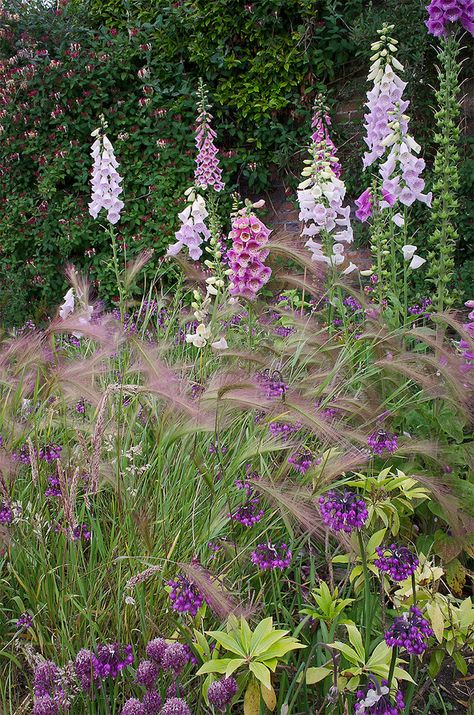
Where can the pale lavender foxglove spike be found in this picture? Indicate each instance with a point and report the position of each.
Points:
(105, 181)
(208, 173)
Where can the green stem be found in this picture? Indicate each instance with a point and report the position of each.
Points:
(363, 557)
(413, 585)
(393, 663)
(118, 277)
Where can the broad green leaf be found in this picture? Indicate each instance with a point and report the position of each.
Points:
(228, 641)
(269, 696)
(259, 648)
(375, 540)
(437, 620)
(351, 654)
(214, 666)
(264, 628)
(261, 672)
(382, 654)
(281, 648)
(356, 640)
(252, 698)
(232, 666)
(461, 664)
(315, 675)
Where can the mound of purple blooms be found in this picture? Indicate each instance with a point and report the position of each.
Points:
(409, 632)
(343, 511)
(249, 513)
(106, 662)
(301, 460)
(396, 561)
(273, 384)
(270, 556)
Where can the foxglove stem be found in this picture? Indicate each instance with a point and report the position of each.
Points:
(365, 570)
(118, 276)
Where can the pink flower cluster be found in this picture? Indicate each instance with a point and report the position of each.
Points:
(208, 172)
(247, 255)
(105, 181)
(442, 12)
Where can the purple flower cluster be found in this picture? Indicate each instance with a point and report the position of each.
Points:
(343, 511)
(249, 237)
(147, 673)
(54, 489)
(185, 596)
(23, 455)
(466, 348)
(50, 453)
(352, 303)
(321, 122)
(301, 460)
(105, 181)
(409, 632)
(396, 561)
(6, 513)
(175, 706)
(381, 441)
(107, 662)
(81, 531)
(221, 693)
(443, 12)
(25, 621)
(284, 430)
(270, 556)
(249, 513)
(272, 383)
(365, 203)
(420, 308)
(378, 701)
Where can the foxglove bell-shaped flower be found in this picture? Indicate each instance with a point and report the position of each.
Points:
(321, 195)
(105, 180)
(443, 13)
(193, 230)
(246, 257)
(208, 172)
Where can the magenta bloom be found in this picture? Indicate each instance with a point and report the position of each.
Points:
(208, 172)
(249, 513)
(270, 556)
(147, 673)
(133, 707)
(409, 632)
(343, 511)
(364, 206)
(396, 561)
(246, 258)
(175, 706)
(25, 621)
(184, 596)
(381, 441)
(443, 12)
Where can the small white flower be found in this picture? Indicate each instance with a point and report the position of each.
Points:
(398, 220)
(416, 262)
(220, 344)
(351, 267)
(408, 252)
(68, 306)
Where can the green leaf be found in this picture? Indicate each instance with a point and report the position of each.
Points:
(214, 666)
(351, 654)
(315, 675)
(227, 641)
(261, 672)
(356, 640)
(232, 666)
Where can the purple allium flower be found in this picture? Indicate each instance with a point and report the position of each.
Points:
(378, 701)
(396, 561)
(6, 513)
(175, 706)
(249, 513)
(381, 441)
(442, 12)
(208, 172)
(45, 705)
(301, 460)
(271, 556)
(105, 181)
(50, 453)
(152, 702)
(185, 596)
(147, 673)
(85, 667)
(81, 406)
(23, 456)
(112, 658)
(45, 678)
(221, 693)
(409, 632)
(156, 649)
(175, 657)
(343, 511)
(25, 621)
(249, 237)
(133, 707)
